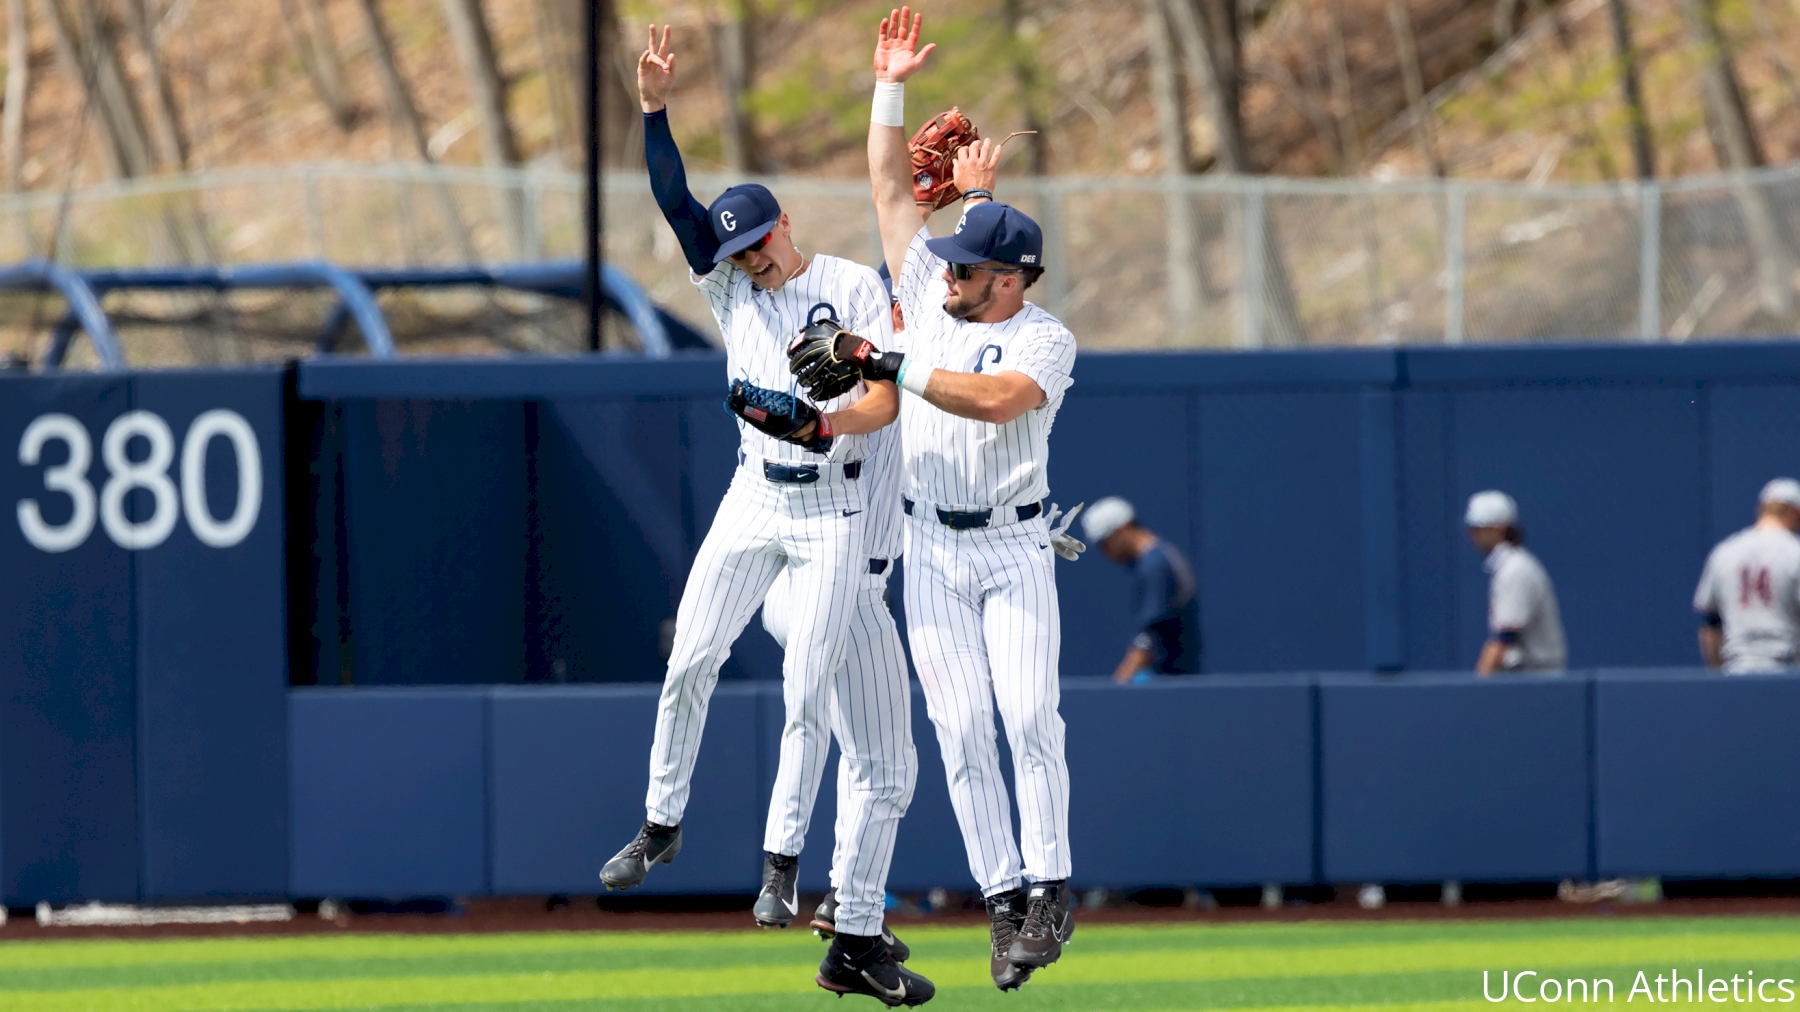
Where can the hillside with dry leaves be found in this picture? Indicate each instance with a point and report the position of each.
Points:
(1542, 103)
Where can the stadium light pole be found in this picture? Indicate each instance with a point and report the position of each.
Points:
(597, 13)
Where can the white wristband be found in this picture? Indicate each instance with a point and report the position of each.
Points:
(914, 380)
(889, 107)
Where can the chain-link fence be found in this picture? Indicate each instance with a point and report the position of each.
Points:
(1217, 262)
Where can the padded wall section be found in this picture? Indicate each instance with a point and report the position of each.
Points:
(1153, 469)
(1184, 782)
(611, 523)
(212, 658)
(1281, 584)
(388, 792)
(1608, 481)
(436, 497)
(68, 699)
(1450, 777)
(1750, 429)
(570, 766)
(1695, 775)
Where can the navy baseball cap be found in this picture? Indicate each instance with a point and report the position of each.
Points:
(992, 231)
(741, 216)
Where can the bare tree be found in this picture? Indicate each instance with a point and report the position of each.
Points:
(310, 35)
(84, 49)
(1784, 67)
(166, 131)
(404, 119)
(1414, 77)
(734, 39)
(1166, 95)
(487, 91)
(547, 29)
(18, 83)
(1642, 150)
(1735, 139)
(1505, 21)
(1221, 107)
(1025, 78)
(1343, 100)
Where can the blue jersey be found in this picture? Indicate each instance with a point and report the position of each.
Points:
(1166, 609)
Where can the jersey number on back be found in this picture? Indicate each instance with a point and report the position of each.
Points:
(1755, 587)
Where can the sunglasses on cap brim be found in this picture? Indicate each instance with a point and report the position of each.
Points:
(755, 246)
(963, 272)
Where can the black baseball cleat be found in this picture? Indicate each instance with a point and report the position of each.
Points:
(779, 902)
(1049, 922)
(1006, 914)
(863, 964)
(824, 924)
(652, 844)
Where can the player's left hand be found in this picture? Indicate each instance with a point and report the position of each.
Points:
(1066, 544)
(781, 415)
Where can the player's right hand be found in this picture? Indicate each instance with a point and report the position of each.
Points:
(895, 45)
(656, 72)
(977, 166)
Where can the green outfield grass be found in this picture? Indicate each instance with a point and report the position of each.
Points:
(1336, 965)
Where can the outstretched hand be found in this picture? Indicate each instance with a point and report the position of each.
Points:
(977, 166)
(656, 72)
(897, 53)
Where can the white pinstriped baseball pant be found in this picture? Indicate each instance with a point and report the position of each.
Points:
(871, 714)
(762, 527)
(982, 619)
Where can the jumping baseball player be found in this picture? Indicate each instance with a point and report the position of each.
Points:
(796, 503)
(871, 689)
(1525, 630)
(1749, 593)
(986, 371)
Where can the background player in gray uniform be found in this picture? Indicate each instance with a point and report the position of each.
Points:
(789, 505)
(987, 372)
(1525, 630)
(1749, 593)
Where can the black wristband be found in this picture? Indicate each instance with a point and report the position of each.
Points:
(978, 192)
(885, 366)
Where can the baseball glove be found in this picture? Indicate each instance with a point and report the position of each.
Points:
(815, 358)
(934, 150)
(779, 414)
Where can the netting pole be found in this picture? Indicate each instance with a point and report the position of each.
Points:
(1250, 299)
(315, 216)
(1650, 261)
(1055, 248)
(597, 13)
(1455, 257)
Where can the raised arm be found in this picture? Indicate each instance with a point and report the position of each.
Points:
(897, 57)
(668, 177)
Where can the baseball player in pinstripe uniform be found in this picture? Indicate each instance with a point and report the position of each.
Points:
(987, 372)
(797, 505)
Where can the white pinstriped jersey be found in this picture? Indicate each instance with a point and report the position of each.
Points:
(883, 532)
(759, 325)
(954, 461)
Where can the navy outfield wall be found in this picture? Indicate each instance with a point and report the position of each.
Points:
(1318, 493)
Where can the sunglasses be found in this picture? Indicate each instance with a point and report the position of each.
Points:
(754, 247)
(963, 272)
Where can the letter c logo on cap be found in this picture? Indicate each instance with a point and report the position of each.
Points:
(959, 223)
(729, 220)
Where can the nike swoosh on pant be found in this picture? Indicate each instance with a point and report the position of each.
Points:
(851, 513)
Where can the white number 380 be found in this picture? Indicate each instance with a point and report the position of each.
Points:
(151, 474)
